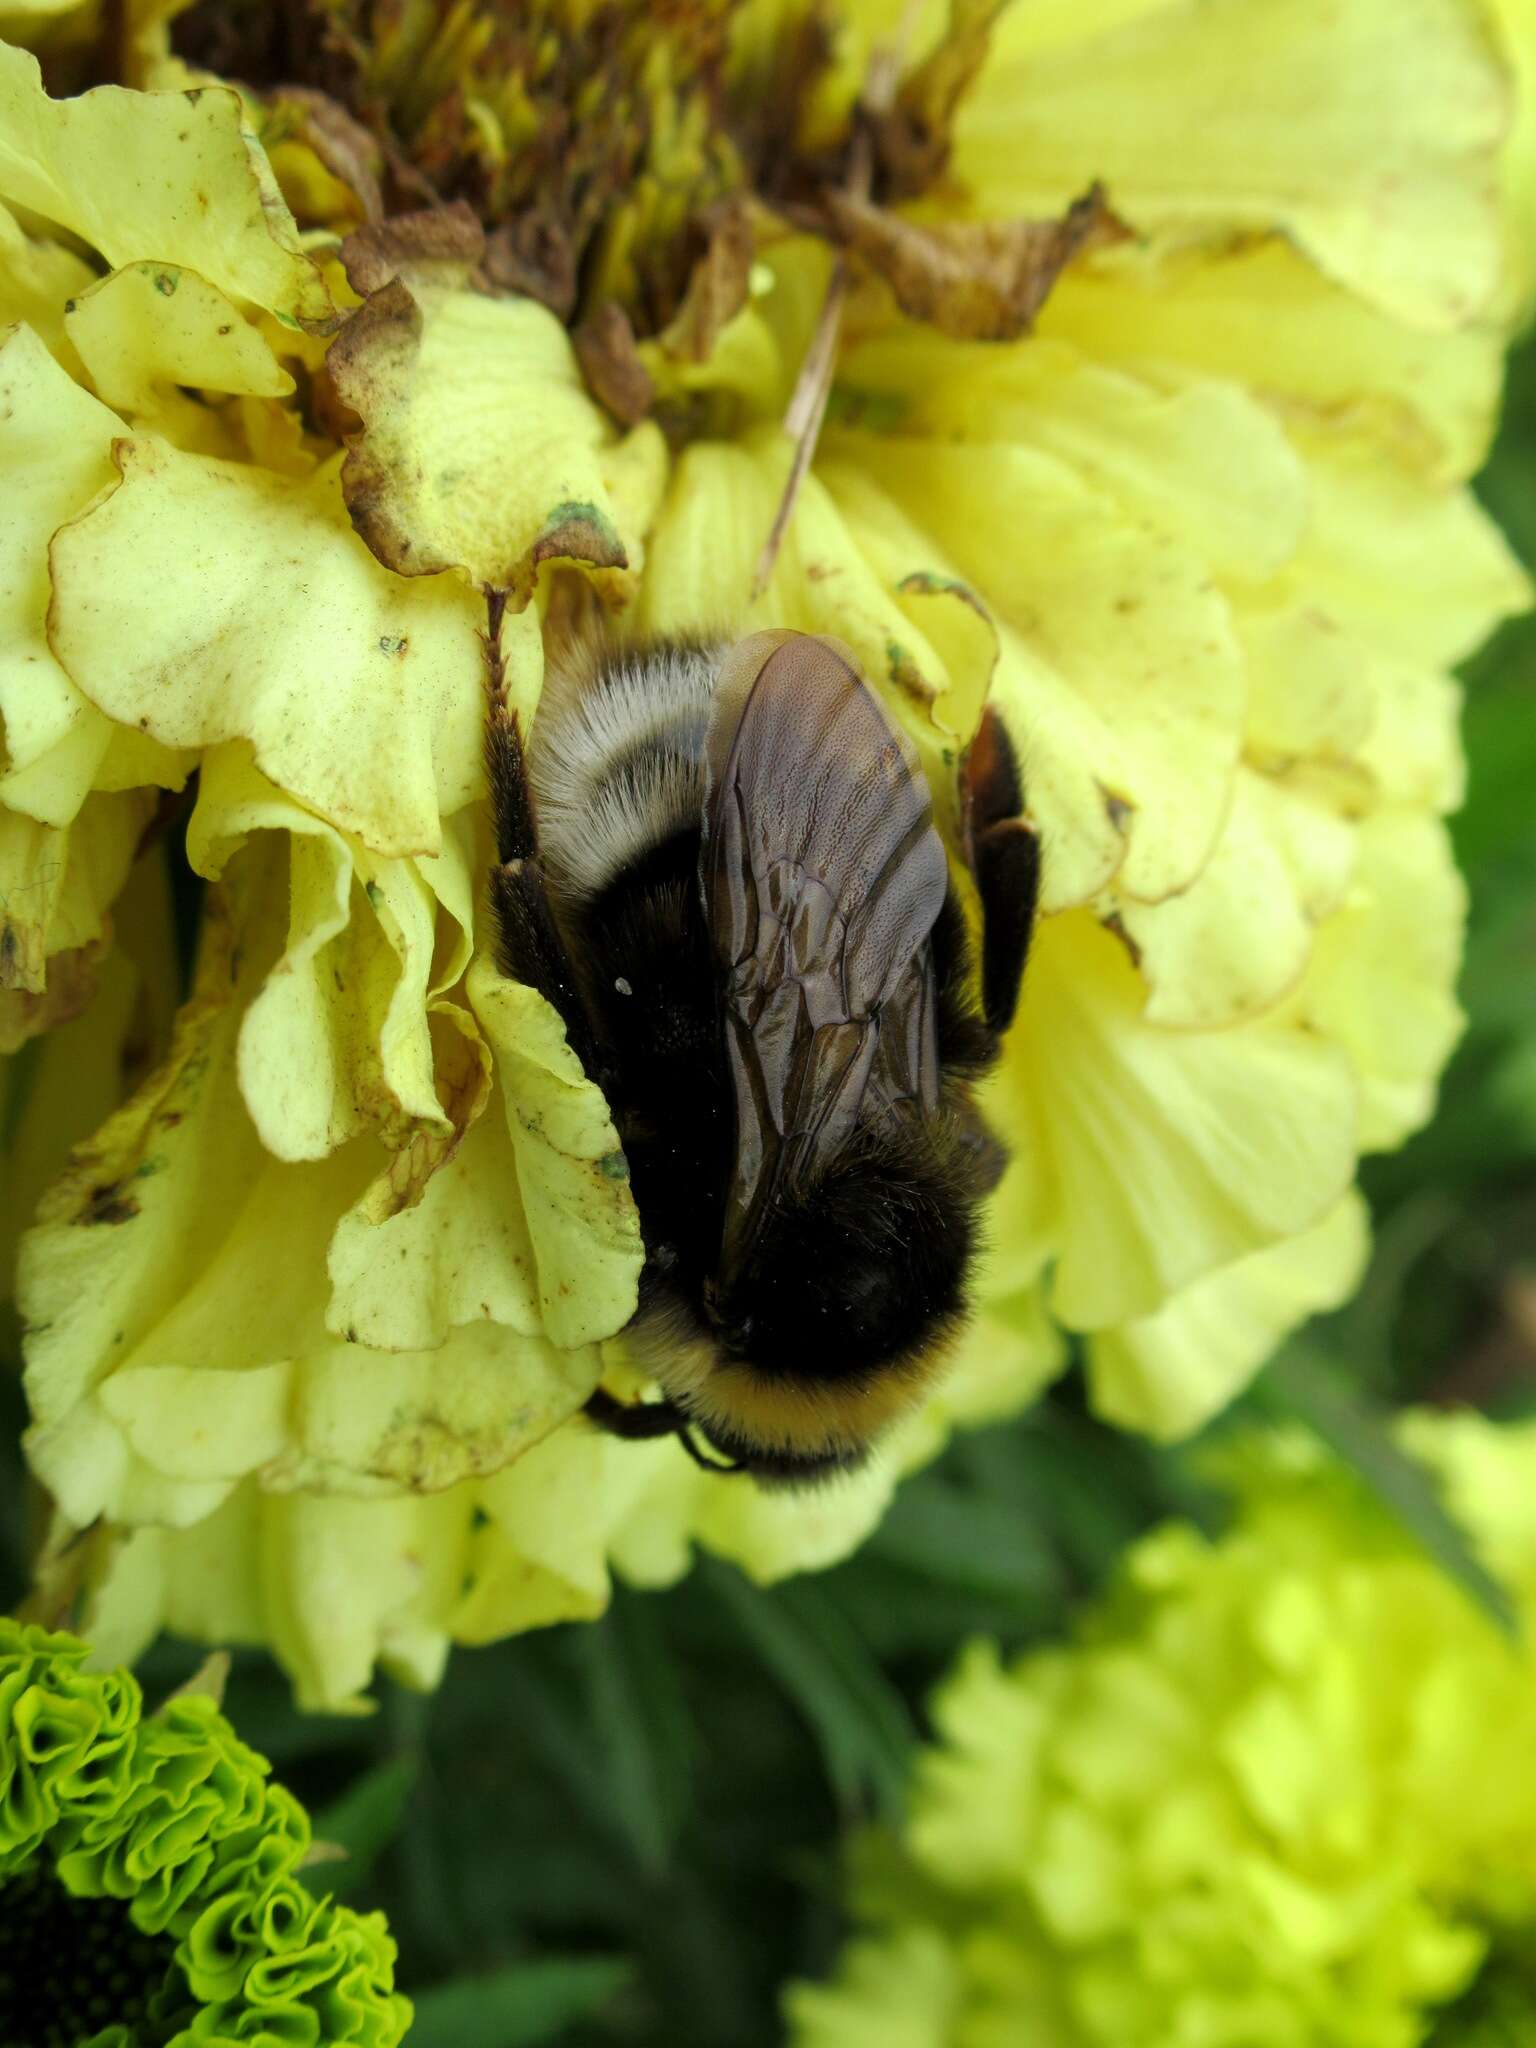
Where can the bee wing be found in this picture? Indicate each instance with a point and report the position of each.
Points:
(823, 875)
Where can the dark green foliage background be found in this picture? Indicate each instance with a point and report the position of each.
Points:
(628, 1833)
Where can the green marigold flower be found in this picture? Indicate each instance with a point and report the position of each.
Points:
(1280, 1792)
(148, 1886)
(449, 300)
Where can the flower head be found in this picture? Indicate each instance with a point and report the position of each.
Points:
(1280, 1791)
(148, 1886)
(445, 318)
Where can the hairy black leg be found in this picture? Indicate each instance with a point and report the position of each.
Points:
(1004, 852)
(639, 1421)
(529, 945)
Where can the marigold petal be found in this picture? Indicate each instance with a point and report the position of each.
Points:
(403, 1273)
(1167, 1373)
(373, 1423)
(1422, 574)
(903, 1991)
(480, 449)
(1319, 133)
(77, 1074)
(337, 1041)
(1239, 937)
(56, 886)
(38, 277)
(1119, 670)
(838, 571)
(571, 1172)
(172, 176)
(1259, 313)
(152, 328)
(541, 1552)
(772, 1535)
(1155, 1156)
(177, 610)
(166, 175)
(1383, 976)
(55, 451)
(1199, 459)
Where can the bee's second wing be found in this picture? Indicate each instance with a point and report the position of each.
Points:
(823, 876)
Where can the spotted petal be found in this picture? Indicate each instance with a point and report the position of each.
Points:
(172, 176)
(206, 601)
(480, 449)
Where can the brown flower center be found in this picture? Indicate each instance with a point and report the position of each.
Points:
(597, 140)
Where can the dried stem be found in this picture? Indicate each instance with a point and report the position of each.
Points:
(807, 407)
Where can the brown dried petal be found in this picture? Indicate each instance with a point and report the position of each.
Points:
(343, 145)
(26, 1013)
(479, 447)
(532, 253)
(610, 362)
(441, 246)
(978, 281)
(717, 288)
(912, 141)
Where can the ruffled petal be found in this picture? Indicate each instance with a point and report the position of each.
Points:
(151, 331)
(55, 886)
(1259, 313)
(1383, 978)
(1201, 460)
(1314, 127)
(861, 571)
(571, 1172)
(1119, 671)
(1239, 937)
(480, 449)
(55, 451)
(1148, 1157)
(205, 601)
(38, 277)
(1421, 574)
(177, 1292)
(171, 176)
(76, 1075)
(338, 1039)
(1167, 1373)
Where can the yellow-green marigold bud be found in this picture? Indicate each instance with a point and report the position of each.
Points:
(1188, 504)
(1280, 1791)
(148, 1877)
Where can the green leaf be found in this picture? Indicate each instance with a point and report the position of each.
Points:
(523, 2003)
(859, 1719)
(974, 1542)
(1302, 1383)
(365, 1819)
(642, 1732)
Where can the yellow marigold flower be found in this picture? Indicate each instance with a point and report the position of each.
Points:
(1280, 1792)
(1180, 486)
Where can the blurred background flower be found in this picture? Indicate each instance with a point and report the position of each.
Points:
(447, 301)
(1280, 1790)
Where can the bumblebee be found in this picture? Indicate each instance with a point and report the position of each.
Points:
(721, 866)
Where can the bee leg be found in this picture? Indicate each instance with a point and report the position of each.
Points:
(529, 945)
(1003, 849)
(636, 1421)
